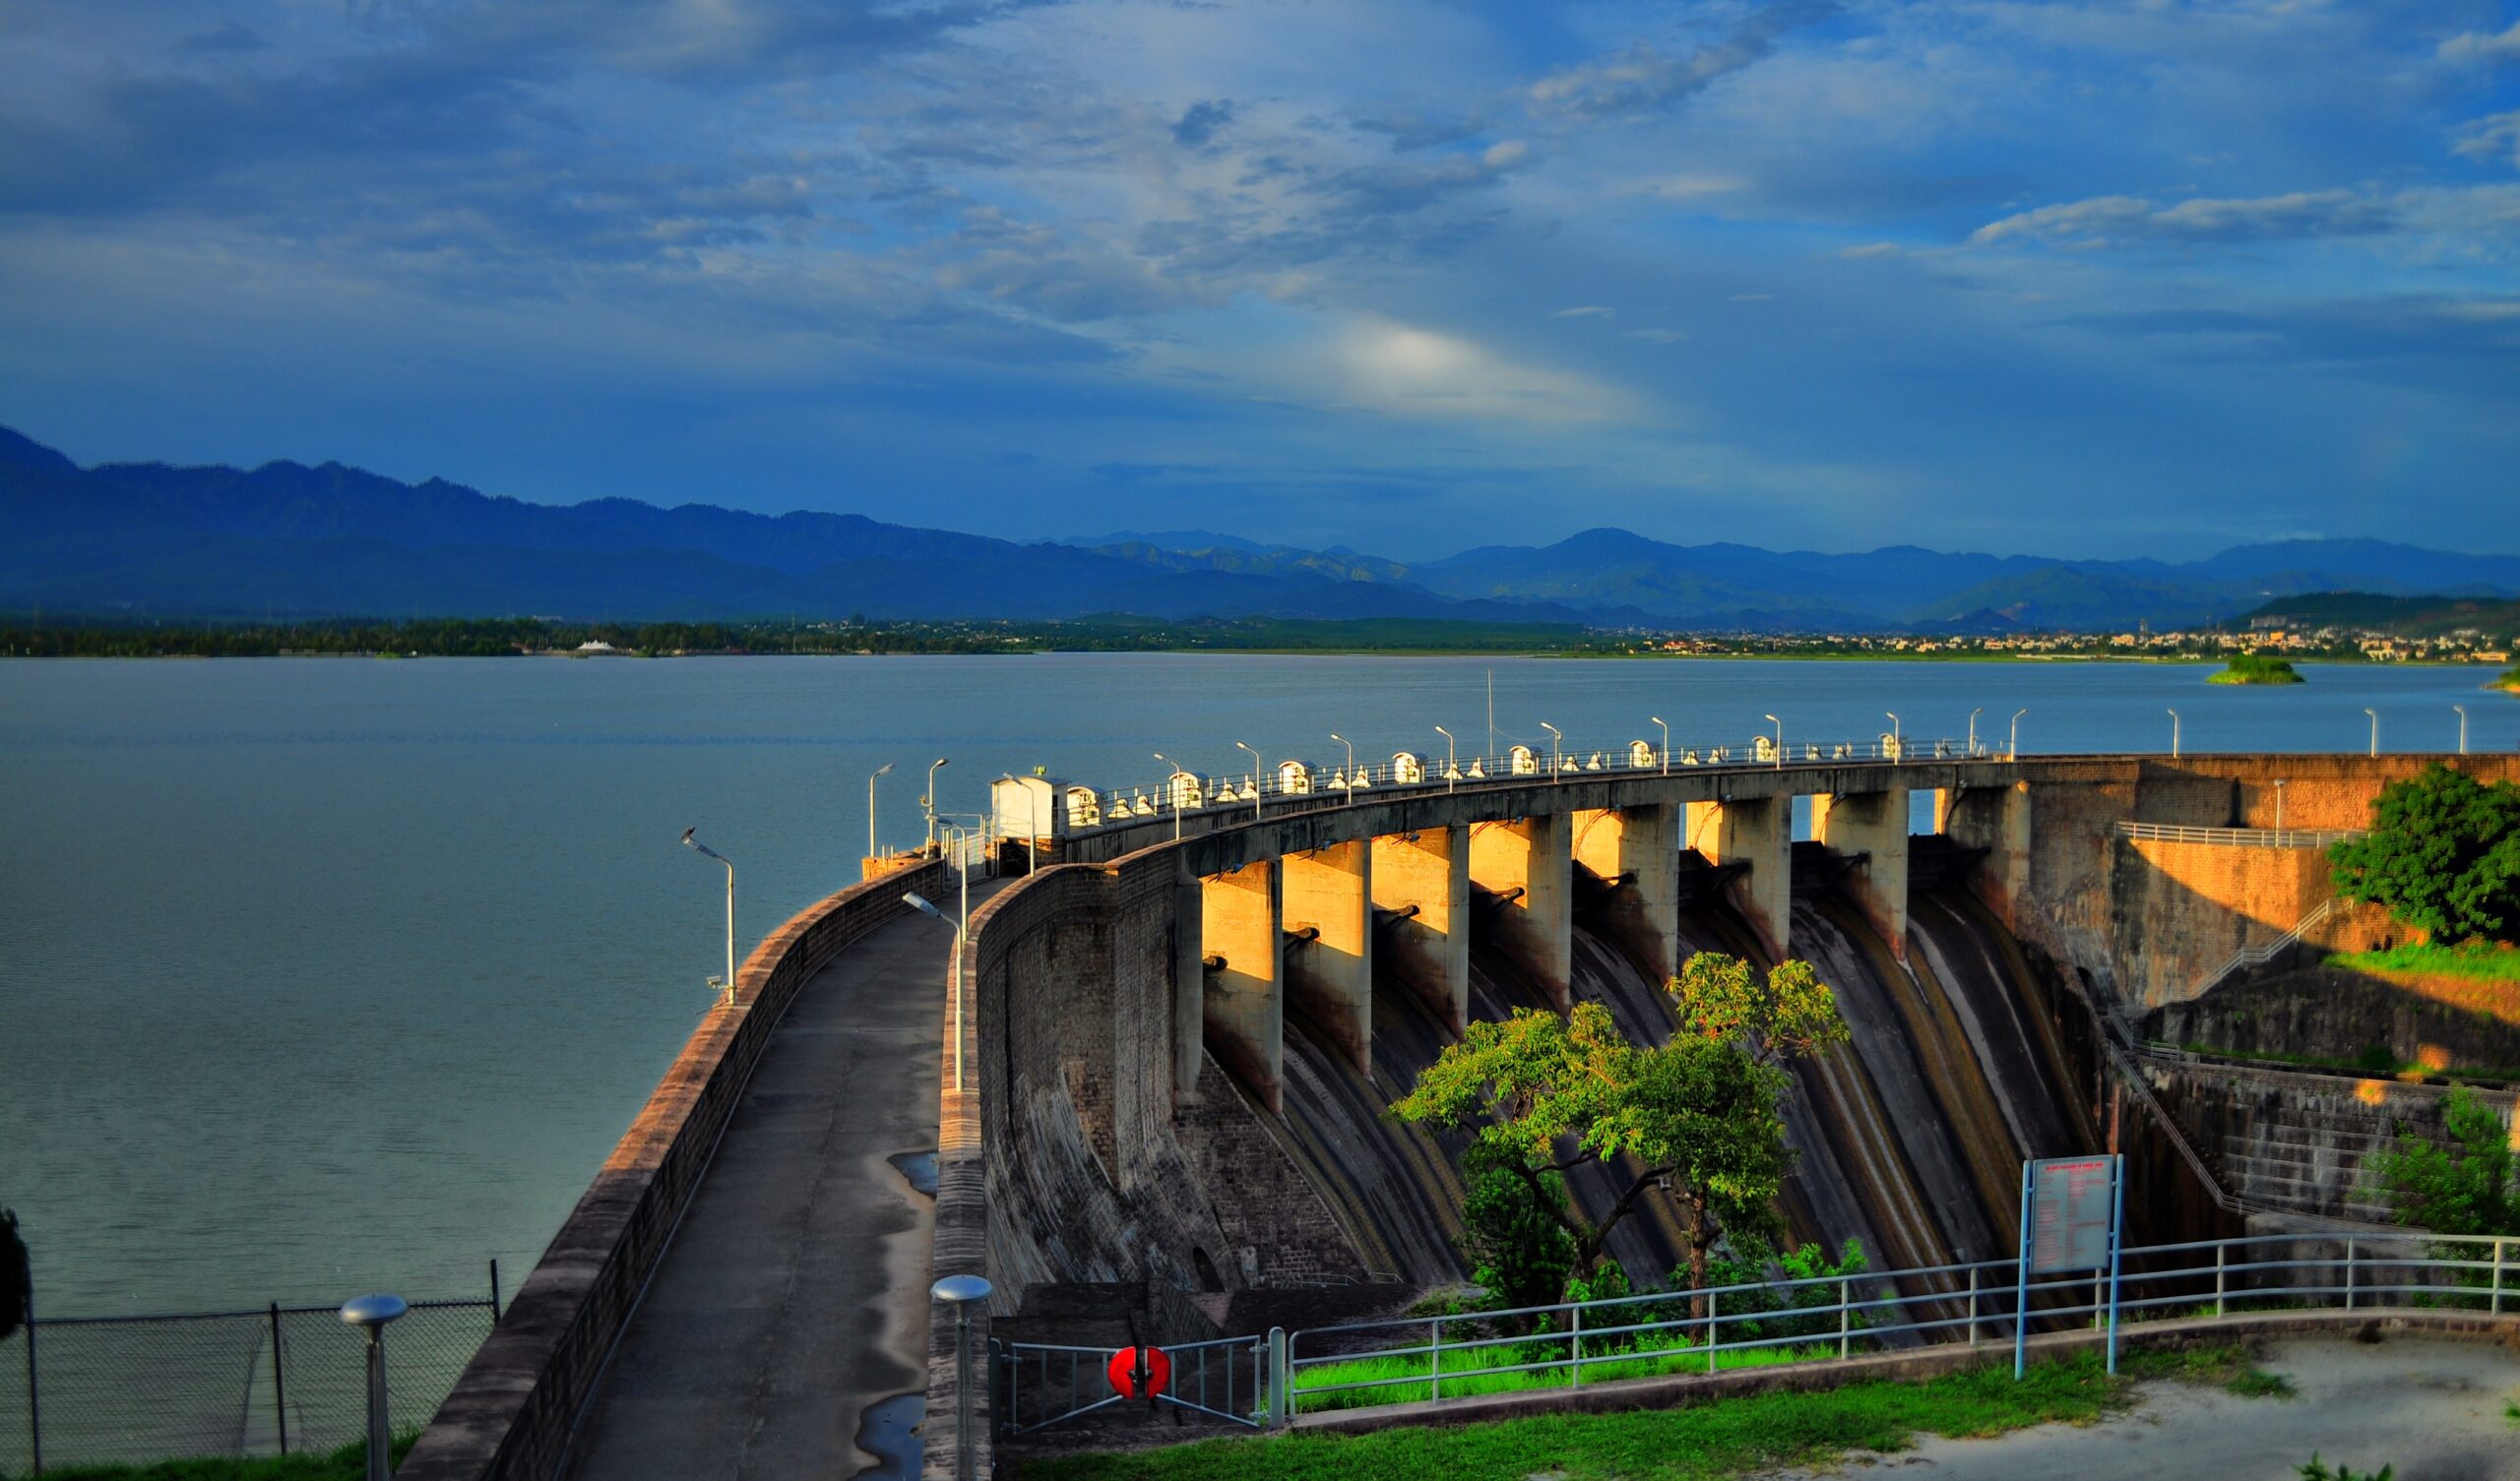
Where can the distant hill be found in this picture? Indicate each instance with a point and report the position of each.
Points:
(286, 540)
(2406, 616)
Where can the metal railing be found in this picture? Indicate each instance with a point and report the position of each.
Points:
(2257, 956)
(1336, 780)
(1065, 1384)
(281, 1380)
(2239, 837)
(1764, 1323)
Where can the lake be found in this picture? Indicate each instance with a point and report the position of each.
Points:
(334, 975)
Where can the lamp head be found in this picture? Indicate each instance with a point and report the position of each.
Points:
(885, 770)
(920, 904)
(373, 1311)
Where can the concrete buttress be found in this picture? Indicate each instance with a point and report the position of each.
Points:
(1639, 847)
(1423, 881)
(1529, 863)
(1244, 1001)
(1329, 899)
(1876, 826)
(1759, 832)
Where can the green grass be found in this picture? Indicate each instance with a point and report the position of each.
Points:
(1704, 1443)
(2476, 960)
(1651, 1358)
(349, 1463)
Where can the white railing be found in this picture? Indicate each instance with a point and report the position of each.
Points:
(1338, 782)
(2257, 956)
(2239, 837)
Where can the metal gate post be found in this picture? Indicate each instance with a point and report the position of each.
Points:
(1575, 1350)
(2498, 1277)
(1714, 1324)
(1973, 1306)
(35, 1406)
(1436, 1359)
(2348, 1274)
(1846, 1313)
(279, 1390)
(1281, 1398)
(2221, 1253)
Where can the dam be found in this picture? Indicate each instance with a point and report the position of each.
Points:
(1173, 1031)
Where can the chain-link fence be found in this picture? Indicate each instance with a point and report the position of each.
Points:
(286, 1379)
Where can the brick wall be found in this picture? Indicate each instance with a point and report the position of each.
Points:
(511, 1413)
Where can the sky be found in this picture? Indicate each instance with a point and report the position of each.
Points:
(2071, 279)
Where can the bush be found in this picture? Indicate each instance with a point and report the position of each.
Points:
(1746, 1314)
(2443, 855)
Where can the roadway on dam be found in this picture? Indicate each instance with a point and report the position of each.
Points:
(794, 1295)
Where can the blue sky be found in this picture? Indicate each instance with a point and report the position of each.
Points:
(2077, 279)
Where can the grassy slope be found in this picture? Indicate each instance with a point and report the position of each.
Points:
(1700, 1444)
(349, 1463)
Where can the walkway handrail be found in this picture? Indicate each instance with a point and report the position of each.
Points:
(2239, 837)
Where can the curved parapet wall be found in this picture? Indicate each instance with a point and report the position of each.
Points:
(512, 1412)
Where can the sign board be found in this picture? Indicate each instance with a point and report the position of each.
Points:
(2071, 1209)
(1139, 1371)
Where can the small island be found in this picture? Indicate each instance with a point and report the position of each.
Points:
(2256, 668)
(2509, 683)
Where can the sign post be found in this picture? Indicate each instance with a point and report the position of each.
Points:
(2072, 1212)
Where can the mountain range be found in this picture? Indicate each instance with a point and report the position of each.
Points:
(289, 540)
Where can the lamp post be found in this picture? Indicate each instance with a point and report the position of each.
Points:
(1257, 780)
(2375, 728)
(929, 801)
(729, 984)
(2012, 749)
(962, 1293)
(2279, 804)
(372, 1313)
(1351, 775)
(2462, 727)
(1555, 740)
(953, 977)
(2174, 735)
(1667, 743)
(871, 807)
(1780, 740)
(1452, 773)
(1896, 749)
(1973, 728)
(1172, 790)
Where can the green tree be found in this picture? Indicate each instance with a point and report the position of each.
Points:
(2462, 1188)
(2443, 855)
(1697, 1118)
(1518, 1248)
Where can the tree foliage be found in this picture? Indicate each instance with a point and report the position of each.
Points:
(1699, 1116)
(2443, 855)
(2463, 1188)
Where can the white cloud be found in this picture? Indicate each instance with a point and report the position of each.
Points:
(2477, 46)
(1873, 249)
(2496, 135)
(1689, 187)
(1407, 371)
(1584, 311)
(1657, 336)
(2104, 220)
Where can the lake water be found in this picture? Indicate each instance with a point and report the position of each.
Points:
(324, 976)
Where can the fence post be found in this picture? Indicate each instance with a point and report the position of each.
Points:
(280, 1385)
(35, 1406)
(2221, 1253)
(2498, 1277)
(1575, 1365)
(1714, 1324)
(1436, 1359)
(1845, 1312)
(494, 1292)
(2348, 1274)
(1973, 1306)
(1282, 1396)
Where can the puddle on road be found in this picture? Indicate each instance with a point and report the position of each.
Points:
(919, 1168)
(889, 1430)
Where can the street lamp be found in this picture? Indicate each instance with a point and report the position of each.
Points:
(1452, 773)
(1667, 743)
(2174, 735)
(1350, 776)
(1555, 740)
(729, 984)
(962, 1293)
(2375, 728)
(1973, 728)
(953, 977)
(372, 1313)
(2279, 803)
(1175, 789)
(1896, 750)
(929, 801)
(1256, 779)
(2462, 727)
(871, 807)
(2013, 750)
(1780, 740)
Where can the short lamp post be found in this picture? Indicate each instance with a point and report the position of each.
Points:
(2375, 728)
(1258, 779)
(2012, 748)
(2174, 735)
(2279, 802)
(952, 976)
(728, 985)
(1667, 743)
(1351, 763)
(1897, 749)
(1452, 771)
(1973, 728)
(1173, 791)
(962, 1293)
(373, 1313)
(1555, 741)
(881, 771)
(929, 801)
(1780, 739)
(2462, 727)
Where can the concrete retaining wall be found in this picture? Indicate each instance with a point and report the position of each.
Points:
(512, 1412)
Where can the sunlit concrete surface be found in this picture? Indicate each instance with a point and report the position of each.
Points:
(2431, 1408)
